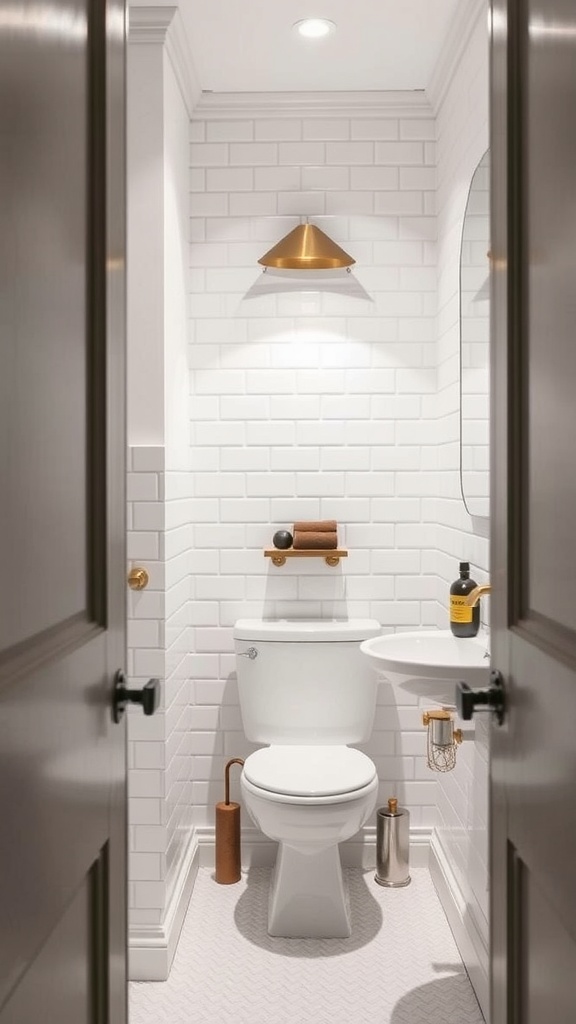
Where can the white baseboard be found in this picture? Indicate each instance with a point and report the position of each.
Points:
(470, 941)
(257, 850)
(151, 948)
(358, 852)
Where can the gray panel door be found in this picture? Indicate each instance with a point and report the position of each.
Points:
(533, 792)
(62, 442)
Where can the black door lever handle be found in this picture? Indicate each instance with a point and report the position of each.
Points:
(469, 701)
(148, 696)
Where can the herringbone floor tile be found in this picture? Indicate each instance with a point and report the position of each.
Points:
(400, 966)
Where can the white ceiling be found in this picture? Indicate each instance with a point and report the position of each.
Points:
(249, 45)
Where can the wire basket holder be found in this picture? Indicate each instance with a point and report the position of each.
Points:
(443, 739)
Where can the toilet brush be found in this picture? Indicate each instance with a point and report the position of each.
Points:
(228, 834)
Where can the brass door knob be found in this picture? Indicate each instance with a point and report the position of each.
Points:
(138, 579)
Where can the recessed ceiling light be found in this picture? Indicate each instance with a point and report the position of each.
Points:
(314, 28)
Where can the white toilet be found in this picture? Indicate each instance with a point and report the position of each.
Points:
(307, 691)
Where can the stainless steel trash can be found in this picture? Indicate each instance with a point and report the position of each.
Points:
(392, 845)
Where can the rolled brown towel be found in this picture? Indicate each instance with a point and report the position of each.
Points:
(323, 526)
(312, 540)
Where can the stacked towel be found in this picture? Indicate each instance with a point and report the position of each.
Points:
(322, 535)
(313, 541)
(322, 526)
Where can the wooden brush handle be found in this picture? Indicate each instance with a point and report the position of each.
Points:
(234, 760)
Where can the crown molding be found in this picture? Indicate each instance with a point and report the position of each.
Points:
(462, 27)
(180, 53)
(164, 26)
(229, 106)
(149, 24)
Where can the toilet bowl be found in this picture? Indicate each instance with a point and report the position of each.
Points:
(307, 895)
(307, 697)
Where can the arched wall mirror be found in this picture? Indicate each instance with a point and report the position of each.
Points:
(475, 345)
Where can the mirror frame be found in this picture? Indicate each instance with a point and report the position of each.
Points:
(476, 516)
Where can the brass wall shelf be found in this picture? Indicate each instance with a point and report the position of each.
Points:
(331, 556)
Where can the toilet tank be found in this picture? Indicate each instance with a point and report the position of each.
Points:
(306, 682)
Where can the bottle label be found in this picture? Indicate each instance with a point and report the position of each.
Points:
(459, 610)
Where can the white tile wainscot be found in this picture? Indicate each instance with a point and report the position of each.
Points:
(162, 855)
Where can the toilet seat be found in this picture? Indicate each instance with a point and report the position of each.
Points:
(312, 774)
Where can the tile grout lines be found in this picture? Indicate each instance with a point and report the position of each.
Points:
(401, 965)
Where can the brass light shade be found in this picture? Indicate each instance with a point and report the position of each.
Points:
(306, 248)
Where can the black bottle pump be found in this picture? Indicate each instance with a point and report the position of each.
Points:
(464, 620)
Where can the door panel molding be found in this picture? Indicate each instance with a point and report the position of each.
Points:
(551, 637)
(515, 932)
(513, 329)
(96, 292)
(100, 952)
(32, 655)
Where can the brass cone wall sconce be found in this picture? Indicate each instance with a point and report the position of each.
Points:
(306, 248)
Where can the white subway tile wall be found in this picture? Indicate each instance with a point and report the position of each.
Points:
(301, 404)
(462, 133)
(159, 640)
(337, 402)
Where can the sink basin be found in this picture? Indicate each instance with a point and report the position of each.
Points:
(430, 663)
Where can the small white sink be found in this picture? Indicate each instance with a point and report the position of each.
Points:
(430, 663)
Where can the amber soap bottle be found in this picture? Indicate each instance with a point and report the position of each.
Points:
(464, 620)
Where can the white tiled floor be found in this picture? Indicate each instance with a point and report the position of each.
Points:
(401, 965)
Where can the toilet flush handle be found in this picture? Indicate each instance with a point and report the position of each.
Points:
(250, 653)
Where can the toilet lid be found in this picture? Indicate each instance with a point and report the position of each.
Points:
(309, 771)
